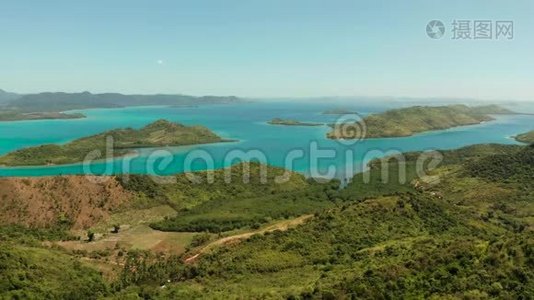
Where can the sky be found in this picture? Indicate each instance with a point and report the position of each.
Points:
(270, 48)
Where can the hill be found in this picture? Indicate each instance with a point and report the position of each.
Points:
(409, 121)
(6, 97)
(467, 235)
(47, 277)
(54, 201)
(527, 138)
(222, 206)
(158, 134)
(59, 102)
(464, 230)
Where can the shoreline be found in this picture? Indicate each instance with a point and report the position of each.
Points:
(130, 153)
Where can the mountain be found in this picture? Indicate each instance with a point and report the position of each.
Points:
(6, 97)
(56, 102)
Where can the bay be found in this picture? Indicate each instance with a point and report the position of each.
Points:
(246, 123)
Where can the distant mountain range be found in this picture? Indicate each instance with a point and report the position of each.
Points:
(6, 97)
(57, 102)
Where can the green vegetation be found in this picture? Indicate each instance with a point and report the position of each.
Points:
(527, 138)
(32, 236)
(468, 235)
(409, 121)
(158, 134)
(39, 273)
(30, 271)
(462, 231)
(16, 116)
(287, 122)
(492, 110)
(232, 202)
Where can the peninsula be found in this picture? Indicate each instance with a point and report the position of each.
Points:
(161, 133)
(17, 116)
(527, 138)
(411, 120)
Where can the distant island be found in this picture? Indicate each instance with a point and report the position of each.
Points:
(527, 138)
(338, 111)
(288, 122)
(409, 121)
(47, 106)
(161, 133)
(16, 116)
(59, 102)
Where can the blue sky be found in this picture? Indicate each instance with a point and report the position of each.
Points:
(271, 48)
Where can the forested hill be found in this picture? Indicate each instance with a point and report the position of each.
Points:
(56, 102)
(161, 133)
(465, 230)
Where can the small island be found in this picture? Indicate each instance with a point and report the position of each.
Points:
(161, 133)
(17, 116)
(527, 138)
(287, 122)
(339, 111)
(405, 122)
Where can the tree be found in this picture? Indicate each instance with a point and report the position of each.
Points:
(90, 236)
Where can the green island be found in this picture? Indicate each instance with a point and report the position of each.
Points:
(527, 138)
(462, 231)
(17, 116)
(288, 122)
(405, 122)
(161, 133)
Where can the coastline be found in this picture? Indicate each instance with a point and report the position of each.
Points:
(116, 157)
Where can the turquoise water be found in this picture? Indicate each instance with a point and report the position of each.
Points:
(247, 124)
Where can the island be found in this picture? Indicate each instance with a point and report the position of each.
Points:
(17, 116)
(408, 121)
(338, 111)
(59, 102)
(161, 133)
(288, 122)
(527, 138)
